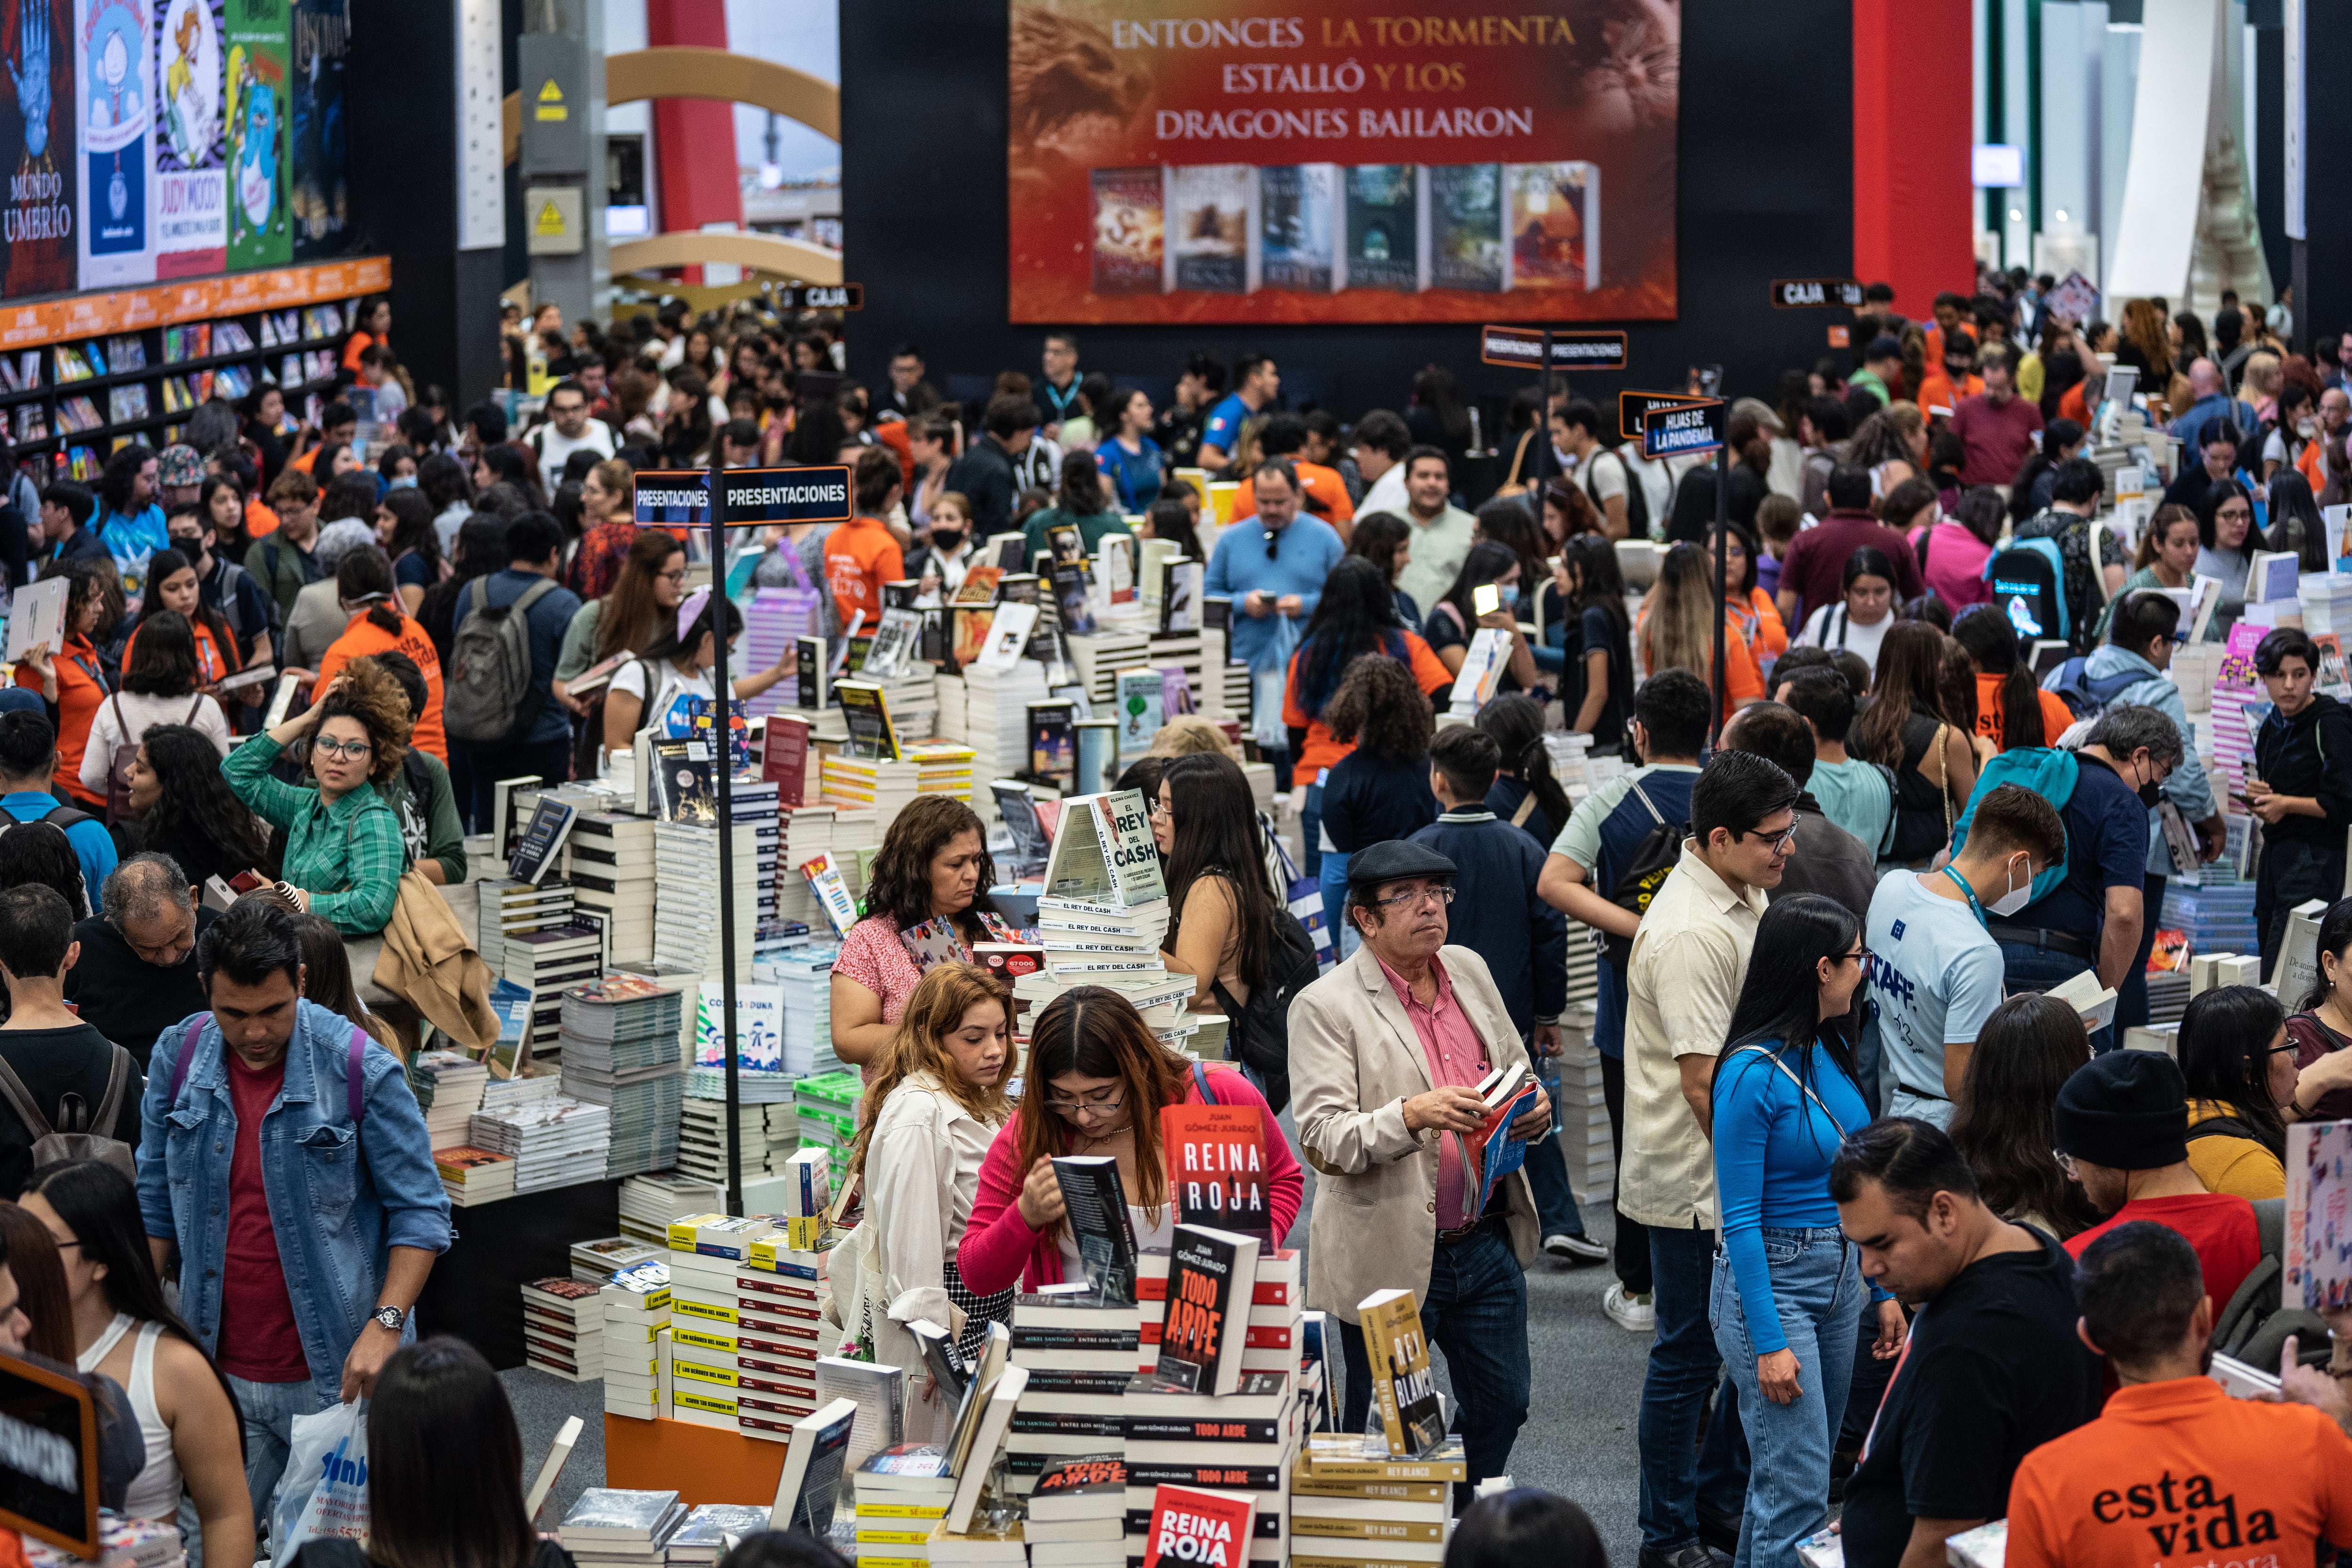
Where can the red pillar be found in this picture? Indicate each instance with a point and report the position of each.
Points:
(1912, 224)
(694, 138)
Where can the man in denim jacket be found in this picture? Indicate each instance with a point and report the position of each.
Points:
(306, 1210)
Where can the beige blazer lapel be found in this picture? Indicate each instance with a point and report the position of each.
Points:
(1392, 1013)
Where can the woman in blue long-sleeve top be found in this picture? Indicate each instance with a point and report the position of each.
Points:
(1787, 1297)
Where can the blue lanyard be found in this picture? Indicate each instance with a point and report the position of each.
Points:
(1970, 894)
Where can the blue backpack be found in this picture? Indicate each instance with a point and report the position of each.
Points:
(2085, 698)
(2044, 769)
(2028, 577)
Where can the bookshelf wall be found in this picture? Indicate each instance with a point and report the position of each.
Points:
(87, 373)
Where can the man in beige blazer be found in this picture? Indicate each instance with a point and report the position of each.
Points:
(1385, 1054)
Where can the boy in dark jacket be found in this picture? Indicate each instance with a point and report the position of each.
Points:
(1498, 915)
(2301, 789)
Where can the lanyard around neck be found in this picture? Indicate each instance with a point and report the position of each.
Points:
(1970, 894)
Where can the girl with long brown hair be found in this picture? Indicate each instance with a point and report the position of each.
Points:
(1905, 727)
(1098, 1081)
(1675, 629)
(934, 1106)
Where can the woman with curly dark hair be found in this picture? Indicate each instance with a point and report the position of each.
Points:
(343, 848)
(182, 807)
(934, 867)
(1379, 790)
(38, 854)
(2026, 1050)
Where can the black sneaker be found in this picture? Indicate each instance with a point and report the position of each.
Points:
(1579, 1248)
(1693, 1555)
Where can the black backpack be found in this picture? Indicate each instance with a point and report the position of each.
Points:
(1259, 1033)
(1652, 859)
(1637, 500)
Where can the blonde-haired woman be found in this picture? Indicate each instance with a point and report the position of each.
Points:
(934, 1107)
(1676, 630)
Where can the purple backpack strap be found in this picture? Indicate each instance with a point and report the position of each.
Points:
(188, 1041)
(1201, 1082)
(354, 1076)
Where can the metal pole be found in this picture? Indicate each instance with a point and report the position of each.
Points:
(722, 776)
(1722, 533)
(1539, 440)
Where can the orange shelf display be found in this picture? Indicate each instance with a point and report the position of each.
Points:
(702, 1464)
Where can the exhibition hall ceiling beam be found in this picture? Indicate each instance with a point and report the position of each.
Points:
(790, 259)
(692, 70)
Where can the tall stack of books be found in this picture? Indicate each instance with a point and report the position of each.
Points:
(650, 1203)
(545, 963)
(744, 1325)
(507, 906)
(997, 724)
(448, 1086)
(620, 1050)
(636, 1302)
(609, 1528)
(826, 1104)
(471, 1175)
(804, 832)
(611, 869)
(1242, 1442)
(554, 1142)
(1273, 1338)
(804, 979)
(902, 1494)
(1080, 1358)
(702, 1140)
(1105, 912)
(563, 1329)
(1352, 1504)
(773, 620)
(687, 889)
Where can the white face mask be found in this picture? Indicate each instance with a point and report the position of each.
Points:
(2015, 898)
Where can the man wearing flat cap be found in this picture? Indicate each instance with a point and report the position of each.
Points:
(1386, 1054)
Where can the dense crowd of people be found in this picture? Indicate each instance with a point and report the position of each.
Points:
(1827, 886)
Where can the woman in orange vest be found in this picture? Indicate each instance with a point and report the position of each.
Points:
(364, 585)
(70, 678)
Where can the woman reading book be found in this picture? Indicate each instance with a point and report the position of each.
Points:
(1098, 1080)
(936, 1103)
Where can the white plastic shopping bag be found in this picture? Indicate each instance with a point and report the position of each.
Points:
(323, 1495)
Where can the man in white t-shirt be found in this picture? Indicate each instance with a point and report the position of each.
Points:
(1935, 970)
(1441, 531)
(1381, 443)
(568, 429)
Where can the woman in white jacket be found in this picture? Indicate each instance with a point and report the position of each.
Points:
(936, 1103)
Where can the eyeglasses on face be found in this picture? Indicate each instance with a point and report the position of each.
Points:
(340, 748)
(676, 576)
(1859, 956)
(1442, 893)
(1780, 842)
(2067, 1163)
(1075, 1108)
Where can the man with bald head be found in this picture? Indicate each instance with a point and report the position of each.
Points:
(137, 975)
(2208, 394)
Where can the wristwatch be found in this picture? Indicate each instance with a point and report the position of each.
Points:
(390, 1318)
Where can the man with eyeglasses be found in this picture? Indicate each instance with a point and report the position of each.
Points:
(137, 975)
(1387, 1052)
(1688, 961)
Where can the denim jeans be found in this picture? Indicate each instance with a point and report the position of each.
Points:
(2131, 996)
(1333, 879)
(1676, 1476)
(2025, 967)
(1816, 1291)
(1476, 1313)
(269, 1409)
(1556, 1210)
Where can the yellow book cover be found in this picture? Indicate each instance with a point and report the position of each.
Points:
(1402, 1386)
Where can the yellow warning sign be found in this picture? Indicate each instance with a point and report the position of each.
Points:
(550, 222)
(550, 105)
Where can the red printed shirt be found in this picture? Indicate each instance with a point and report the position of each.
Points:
(1454, 1056)
(259, 1340)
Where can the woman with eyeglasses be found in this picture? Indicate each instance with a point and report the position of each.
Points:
(1098, 1081)
(1788, 1288)
(343, 850)
(2239, 1064)
(2226, 541)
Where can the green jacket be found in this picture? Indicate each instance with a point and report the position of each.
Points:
(346, 854)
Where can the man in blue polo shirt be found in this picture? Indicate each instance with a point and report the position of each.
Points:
(1603, 836)
(1272, 567)
(2092, 919)
(1255, 382)
(28, 761)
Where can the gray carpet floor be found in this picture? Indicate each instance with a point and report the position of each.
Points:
(1578, 1440)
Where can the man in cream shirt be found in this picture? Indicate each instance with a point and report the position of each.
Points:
(1683, 979)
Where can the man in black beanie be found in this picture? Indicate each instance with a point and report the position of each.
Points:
(2122, 1126)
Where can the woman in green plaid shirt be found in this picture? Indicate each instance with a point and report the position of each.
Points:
(343, 853)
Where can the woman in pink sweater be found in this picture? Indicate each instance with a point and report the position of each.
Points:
(1098, 1079)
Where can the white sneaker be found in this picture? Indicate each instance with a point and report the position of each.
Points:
(1631, 1313)
(1574, 1248)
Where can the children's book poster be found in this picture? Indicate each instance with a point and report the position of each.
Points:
(192, 139)
(37, 148)
(321, 202)
(114, 71)
(257, 112)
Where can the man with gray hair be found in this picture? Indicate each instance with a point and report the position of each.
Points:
(2092, 918)
(137, 973)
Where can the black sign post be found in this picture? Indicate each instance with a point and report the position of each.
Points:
(1548, 352)
(725, 499)
(1682, 429)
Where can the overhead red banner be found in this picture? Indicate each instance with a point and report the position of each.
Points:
(1332, 164)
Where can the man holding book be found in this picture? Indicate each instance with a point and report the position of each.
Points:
(1389, 1054)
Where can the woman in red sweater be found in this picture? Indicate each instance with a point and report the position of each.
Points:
(1098, 1080)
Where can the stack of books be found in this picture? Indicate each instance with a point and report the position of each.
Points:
(611, 870)
(1080, 1358)
(902, 1493)
(650, 1203)
(687, 888)
(1105, 913)
(744, 1325)
(609, 1528)
(2216, 917)
(1353, 1503)
(1077, 1513)
(826, 1104)
(544, 963)
(122, 1542)
(471, 1175)
(702, 1539)
(702, 1140)
(773, 620)
(508, 907)
(557, 1142)
(804, 832)
(1243, 1442)
(594, 1262)
(888, 787)
(448, 1086)
(1272, 1341)
(803, 978)
(563, 1329)
(997, 724)
(636, 1316)
(620, 1050)
(2326, 598)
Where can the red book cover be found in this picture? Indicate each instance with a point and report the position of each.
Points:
(1198, 1529)
(1216, 1167)
(786, 761)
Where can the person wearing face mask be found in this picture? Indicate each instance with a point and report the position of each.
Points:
(940, 567)
(1936, 971)
(1456, 618)
(2302, 797)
